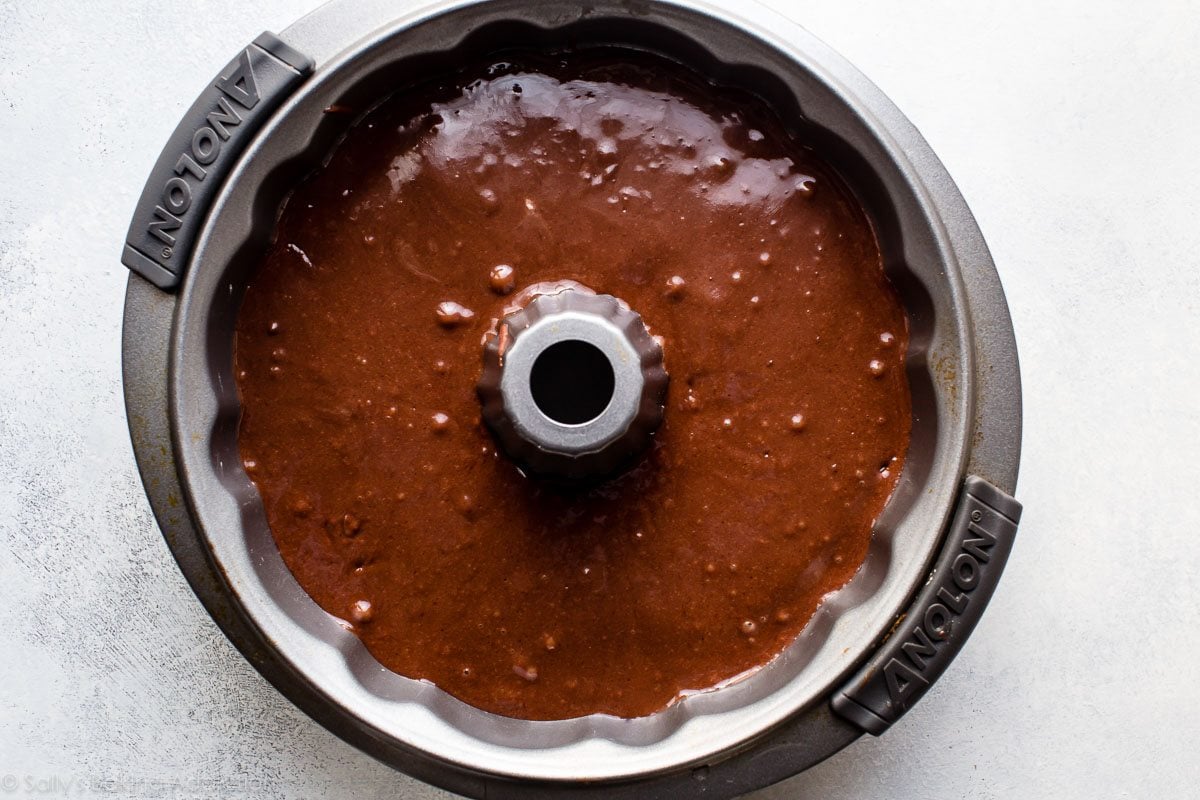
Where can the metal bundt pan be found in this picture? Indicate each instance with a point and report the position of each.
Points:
(873, 647)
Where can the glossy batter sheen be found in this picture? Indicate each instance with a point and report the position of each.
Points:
(787, 419)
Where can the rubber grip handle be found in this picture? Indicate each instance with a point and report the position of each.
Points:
(929, 635)
(202, 152)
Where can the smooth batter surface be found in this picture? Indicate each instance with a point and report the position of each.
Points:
(787, 419)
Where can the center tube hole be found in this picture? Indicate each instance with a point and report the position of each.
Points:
(572, 382)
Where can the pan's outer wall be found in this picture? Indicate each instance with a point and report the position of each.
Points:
(149, 321)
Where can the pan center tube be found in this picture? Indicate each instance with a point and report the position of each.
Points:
(573, 385)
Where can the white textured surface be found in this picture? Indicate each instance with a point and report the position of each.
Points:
(1072, 132)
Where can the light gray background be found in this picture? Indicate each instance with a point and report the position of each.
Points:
(1071, 128)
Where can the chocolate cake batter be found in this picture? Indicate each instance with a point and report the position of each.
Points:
(786, 423)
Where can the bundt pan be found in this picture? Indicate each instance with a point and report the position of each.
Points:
(872, 649)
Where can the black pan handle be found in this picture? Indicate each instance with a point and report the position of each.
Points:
(929, 635)
(201, 153)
